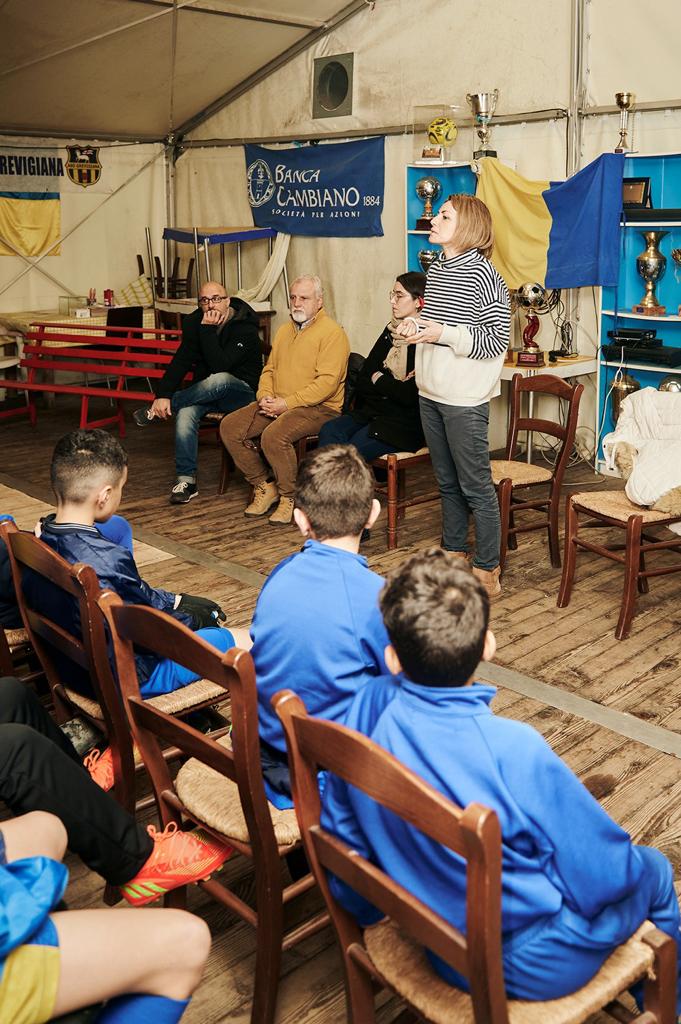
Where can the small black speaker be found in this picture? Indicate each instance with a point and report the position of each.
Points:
(332, 85)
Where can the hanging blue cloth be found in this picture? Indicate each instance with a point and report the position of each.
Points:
(585, 212)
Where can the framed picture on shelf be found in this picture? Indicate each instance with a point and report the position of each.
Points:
(636, 193)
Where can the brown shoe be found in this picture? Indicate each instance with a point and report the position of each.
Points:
(264, 497)
(490, 581)
(284, 512)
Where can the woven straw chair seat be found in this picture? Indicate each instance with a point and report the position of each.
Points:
(16, 637)
(403, 964)
(521, 473)
(187, 696)
(214, 799)
(171, 703)
(403, 455)
(85, 704)
(616, 505)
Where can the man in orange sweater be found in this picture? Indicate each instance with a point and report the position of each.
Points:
(301, 388)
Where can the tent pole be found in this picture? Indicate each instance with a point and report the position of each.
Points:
(574, 142)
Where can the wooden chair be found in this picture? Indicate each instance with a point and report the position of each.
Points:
(390, 954)
(612, 509)
(17, 657)
(221, 786)
(104, 709)
(395, 466)
(511, 475)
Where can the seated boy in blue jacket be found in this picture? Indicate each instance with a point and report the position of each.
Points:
(573, 885)
(88, 473)
(317, 626)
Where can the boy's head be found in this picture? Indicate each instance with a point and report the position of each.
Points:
(436, 614)
(89, 467)
(335, 493)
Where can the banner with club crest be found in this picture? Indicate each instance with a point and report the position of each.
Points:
(332, 190)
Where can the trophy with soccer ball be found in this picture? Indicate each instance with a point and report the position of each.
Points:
(428, 190)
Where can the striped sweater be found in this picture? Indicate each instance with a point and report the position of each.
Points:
(468, 296)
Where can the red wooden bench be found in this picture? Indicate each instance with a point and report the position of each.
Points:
(128, 355)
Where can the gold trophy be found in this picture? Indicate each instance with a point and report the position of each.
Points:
(625, 101)
(483, 105)
(651, 265)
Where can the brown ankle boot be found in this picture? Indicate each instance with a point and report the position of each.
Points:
(283, 514)
(490, 581)
(264, 497)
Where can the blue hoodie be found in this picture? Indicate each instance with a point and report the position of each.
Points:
(560, 850)
(317, 629)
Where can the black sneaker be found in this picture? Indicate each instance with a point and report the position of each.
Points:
(182, 492)
(142, 418)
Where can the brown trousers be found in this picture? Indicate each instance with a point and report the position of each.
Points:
(276, 441)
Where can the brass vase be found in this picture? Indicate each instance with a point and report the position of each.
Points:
(651, 265)
(623, 386)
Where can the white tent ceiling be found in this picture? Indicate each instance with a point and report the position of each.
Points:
(142, 69)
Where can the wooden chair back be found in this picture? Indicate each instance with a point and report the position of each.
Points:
(167, 638)
(473, 833)
(564, 432)
(89, 651)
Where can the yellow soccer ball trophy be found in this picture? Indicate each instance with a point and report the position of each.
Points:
(442, 132)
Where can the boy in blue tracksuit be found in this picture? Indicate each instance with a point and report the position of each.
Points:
(317, 626)
(88, 473)
(573, 885)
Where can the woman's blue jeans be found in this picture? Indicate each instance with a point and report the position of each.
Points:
(458, 439)
(221, 392)
(346, 430)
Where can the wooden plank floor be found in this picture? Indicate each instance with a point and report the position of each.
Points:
(209, 547)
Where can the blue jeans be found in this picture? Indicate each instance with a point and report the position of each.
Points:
(221, 392)
(169, 675)
(346, 430)
(457, 437)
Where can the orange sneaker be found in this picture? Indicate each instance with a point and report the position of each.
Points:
(100, 767)
(177, 859)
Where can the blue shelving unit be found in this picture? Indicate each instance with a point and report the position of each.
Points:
(664, 171)
(454, 178)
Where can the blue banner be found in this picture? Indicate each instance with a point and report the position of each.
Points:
(332, 190)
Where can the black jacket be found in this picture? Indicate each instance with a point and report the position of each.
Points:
(206, 349)
(390, 407)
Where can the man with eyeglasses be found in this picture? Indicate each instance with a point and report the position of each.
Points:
(221, 347)
(301, 389)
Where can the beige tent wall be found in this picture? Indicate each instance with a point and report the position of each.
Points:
(101, 253)
(407, 55)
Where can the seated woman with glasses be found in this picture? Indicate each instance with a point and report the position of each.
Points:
(385, 414)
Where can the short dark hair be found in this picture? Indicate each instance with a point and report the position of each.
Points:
(413, 282)
(436, 613)
(82, 456)
(335, 488)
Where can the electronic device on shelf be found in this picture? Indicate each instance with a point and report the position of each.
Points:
(635, 333)
(654, 355)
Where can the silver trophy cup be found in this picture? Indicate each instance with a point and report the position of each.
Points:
(483, 105)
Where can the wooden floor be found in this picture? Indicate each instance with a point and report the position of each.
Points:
(622, 737)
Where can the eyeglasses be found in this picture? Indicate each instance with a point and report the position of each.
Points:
(398, 295)
(206, 300)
